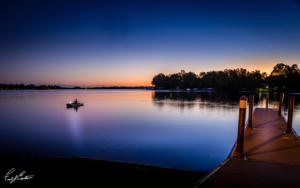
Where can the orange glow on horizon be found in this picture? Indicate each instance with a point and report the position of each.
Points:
(108, 83)
(92, 77)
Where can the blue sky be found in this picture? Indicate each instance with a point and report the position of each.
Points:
(127, 42)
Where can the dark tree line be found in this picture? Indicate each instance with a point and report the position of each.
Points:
(42, 87)
(282, 77)
(29, 86)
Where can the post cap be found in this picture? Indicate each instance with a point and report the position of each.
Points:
(243, 101)
(243, 98)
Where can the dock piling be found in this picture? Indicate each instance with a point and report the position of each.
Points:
(290, 114)
(239, 152)
(280, 103)
(251, 100)
(267, 100)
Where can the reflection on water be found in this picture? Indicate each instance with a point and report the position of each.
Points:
(213, 100)
(75, 127)
(178, 130)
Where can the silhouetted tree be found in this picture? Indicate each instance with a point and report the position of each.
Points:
(189, 80)
(159, 81)
(284, 77)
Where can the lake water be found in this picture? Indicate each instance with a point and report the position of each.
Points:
(177, 130)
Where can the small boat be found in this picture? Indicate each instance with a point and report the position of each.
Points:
(74, 104)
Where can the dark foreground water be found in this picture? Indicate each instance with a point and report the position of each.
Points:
(177, 130)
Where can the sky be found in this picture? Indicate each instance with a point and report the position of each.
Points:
(125, 43)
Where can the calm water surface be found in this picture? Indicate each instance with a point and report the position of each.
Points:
(177, 130)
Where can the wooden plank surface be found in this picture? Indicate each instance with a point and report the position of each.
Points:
(273, 158)
(267, 141)
(244, 174)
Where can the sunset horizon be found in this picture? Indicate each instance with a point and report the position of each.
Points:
(145, 81)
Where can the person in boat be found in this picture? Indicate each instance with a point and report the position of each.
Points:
(76, 101)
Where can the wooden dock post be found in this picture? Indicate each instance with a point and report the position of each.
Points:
(290, 114)
(267, 100)
(280, 103)
(250, 117)
(239, 151)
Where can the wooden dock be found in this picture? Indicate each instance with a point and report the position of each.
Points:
(272, 157)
